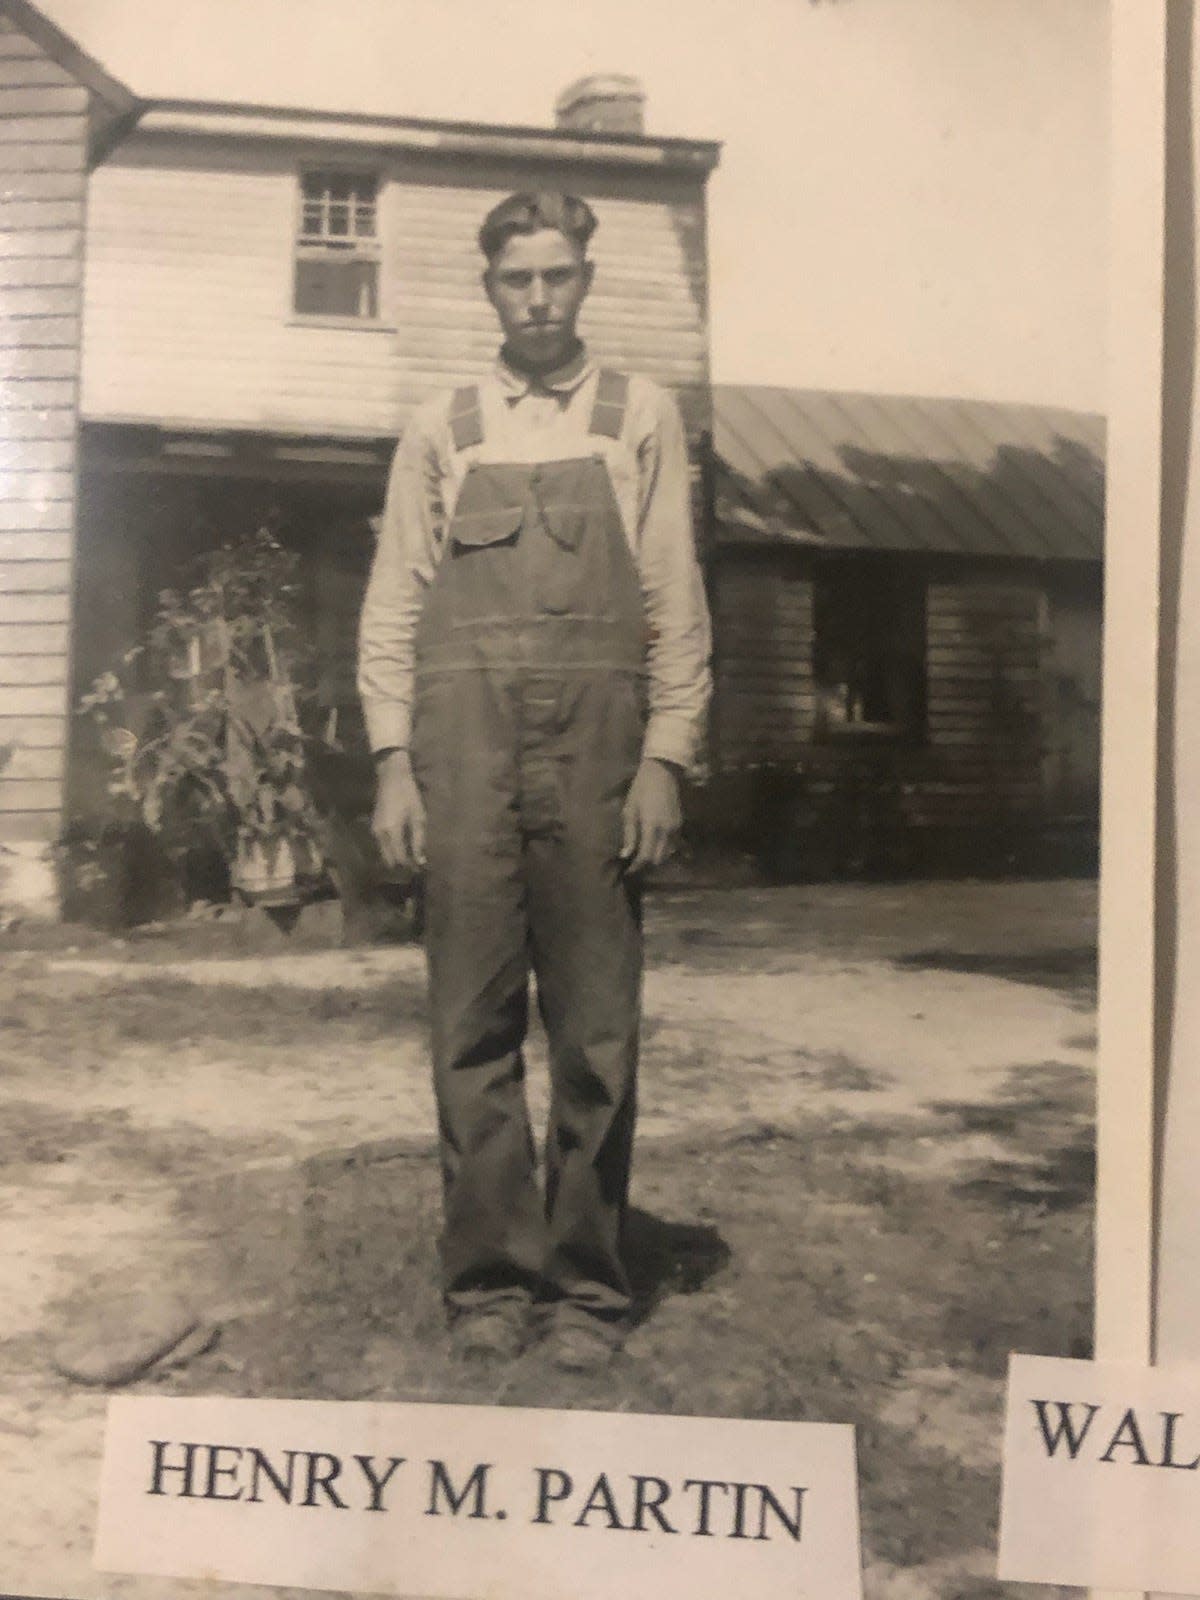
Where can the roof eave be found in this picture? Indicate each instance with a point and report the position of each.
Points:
(63, 49)
(114, 107)
(198, 118)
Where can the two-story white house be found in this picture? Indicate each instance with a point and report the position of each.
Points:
(266, 293)
(212, 314)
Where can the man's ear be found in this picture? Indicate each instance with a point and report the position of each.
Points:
(589, 273)
(486, 280)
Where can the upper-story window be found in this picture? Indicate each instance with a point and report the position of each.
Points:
(337, 246)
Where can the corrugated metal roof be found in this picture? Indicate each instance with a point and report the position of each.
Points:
(881, 472)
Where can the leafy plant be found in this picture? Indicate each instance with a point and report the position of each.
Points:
(203, 721)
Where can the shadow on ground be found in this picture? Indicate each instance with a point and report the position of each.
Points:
(1071, 971)
(669, 1258)
(804, 1256)
(1043, 1124)
(339, 1257)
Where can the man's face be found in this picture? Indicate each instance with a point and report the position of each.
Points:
(537, 283)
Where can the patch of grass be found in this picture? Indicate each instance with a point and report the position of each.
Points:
(34, 1134)
(1045, 1113)
(841, 1074)
(807, 1262)
(778, 1276)
(100, 1019)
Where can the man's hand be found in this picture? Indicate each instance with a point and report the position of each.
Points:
(652, 816)
(399, 820)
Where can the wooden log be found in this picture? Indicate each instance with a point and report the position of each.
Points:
(70, 128)
(40, 243)
(26, 184)
(32, 272)
(29, 827)
(39, 362)
(37, 733)
(29, 546)
(43, 422)
(41, 158)
(31, 72)
(33, 487)
(33, 795)
(31, 672)
(34, 577)
(39, 213)
(34, 607)
(43, 100)
(40, 332)
(18, 516)
(45, 643)
(26, 763)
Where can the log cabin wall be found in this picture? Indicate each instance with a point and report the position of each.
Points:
(992, 686)
(763, 699)
(983, 756)
(43, 175)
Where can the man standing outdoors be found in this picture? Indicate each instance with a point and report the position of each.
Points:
(534, 670)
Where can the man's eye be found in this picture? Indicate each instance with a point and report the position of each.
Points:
(516, 280)
(558, 276)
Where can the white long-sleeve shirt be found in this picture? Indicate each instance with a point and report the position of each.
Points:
(527, 420)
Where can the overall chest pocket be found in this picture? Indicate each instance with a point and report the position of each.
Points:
(565, 525)
(488, 525)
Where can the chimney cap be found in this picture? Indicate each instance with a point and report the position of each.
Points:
(603, 102)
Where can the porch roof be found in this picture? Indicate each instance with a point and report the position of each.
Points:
(878, 472)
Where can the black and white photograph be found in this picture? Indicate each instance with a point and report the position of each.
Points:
(665, 984)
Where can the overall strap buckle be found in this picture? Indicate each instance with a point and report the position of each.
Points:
(466, 417)
(609, 406)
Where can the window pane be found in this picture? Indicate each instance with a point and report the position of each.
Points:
(869, 647)
(339, 204)
(344, 286)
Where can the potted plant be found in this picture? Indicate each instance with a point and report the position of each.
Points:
(202, 723)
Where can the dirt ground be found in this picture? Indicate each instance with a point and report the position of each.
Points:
(864, 1176)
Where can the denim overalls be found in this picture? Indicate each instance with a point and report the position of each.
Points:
(528, 720)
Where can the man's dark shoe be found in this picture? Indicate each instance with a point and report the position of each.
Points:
(493, 1333)
(581, 1345)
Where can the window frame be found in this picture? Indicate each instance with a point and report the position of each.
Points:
(911, 582)
(358, 247)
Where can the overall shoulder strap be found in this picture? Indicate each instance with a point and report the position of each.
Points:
(466, 417)
(608, 408)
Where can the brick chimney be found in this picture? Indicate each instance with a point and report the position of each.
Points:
(606, 102)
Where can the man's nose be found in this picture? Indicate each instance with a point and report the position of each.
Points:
(538, 299)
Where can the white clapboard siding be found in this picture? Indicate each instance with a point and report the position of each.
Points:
(43, 131)
(189, 280)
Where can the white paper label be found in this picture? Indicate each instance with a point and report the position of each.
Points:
(1101, 1476)
(476, 1502)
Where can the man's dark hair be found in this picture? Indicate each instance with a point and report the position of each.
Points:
(529, 213)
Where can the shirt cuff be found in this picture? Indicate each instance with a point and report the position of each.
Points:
(672, 738)
(389, 725)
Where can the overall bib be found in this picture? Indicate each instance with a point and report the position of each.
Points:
(528, 721)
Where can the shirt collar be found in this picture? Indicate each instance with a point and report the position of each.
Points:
(564, 380)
